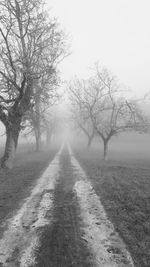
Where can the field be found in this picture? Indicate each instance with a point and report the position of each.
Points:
(123, 184)
(16, 184)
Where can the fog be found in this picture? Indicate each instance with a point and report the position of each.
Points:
(74, 133)
(115, 33)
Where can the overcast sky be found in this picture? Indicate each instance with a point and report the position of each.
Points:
(114, 32)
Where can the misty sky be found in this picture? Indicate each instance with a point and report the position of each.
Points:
(114, 32)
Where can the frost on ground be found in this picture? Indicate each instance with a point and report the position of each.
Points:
(107, 247)
(20, 240)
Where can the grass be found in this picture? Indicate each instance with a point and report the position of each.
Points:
(123, 184)
(124, 189)
(16, 184)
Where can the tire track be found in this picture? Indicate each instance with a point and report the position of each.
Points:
(107, 247)
(22, 236)
(62, 243)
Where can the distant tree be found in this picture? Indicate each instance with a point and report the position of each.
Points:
(111, 113)
(50, 123)
(79, 109)
(31, 47)
(142, 107)
(99, 100)
(37, 119)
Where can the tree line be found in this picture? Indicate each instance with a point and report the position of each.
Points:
(99, 107)
(31, 47)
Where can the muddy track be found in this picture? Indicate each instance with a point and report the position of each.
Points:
(62, 242)
(22, 231)
(62, 223)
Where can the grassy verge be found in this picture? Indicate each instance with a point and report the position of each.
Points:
(16, 184)
(124, 190)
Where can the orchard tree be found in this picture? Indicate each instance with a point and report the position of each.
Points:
(31, 47)
(38, 119)
(111, 113)
(50, 123)
(98, 101)
(79, 107)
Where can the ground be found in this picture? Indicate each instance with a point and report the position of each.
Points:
(62, 243)
(15, 184)
(123, 188)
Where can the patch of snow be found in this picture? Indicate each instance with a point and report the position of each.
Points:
(22, 233)
(28, 254)
(107, 247)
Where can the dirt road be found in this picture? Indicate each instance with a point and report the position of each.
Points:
(62, 223)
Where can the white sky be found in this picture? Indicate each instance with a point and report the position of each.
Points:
(114, 32)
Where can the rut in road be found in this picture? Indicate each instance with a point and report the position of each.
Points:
(62, 242)
(80, 235)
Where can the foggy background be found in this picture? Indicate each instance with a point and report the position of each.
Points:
(117, 34)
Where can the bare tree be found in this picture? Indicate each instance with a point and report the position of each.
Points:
(31, 46)
(50, 123)
(111, 113)
(80, 109)
(39, 119)
(99, 100)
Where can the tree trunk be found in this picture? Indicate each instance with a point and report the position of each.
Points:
(105, 149)
(37, 126)
(38, 141)
(48, 137)
(90, 138)
(12, 134)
